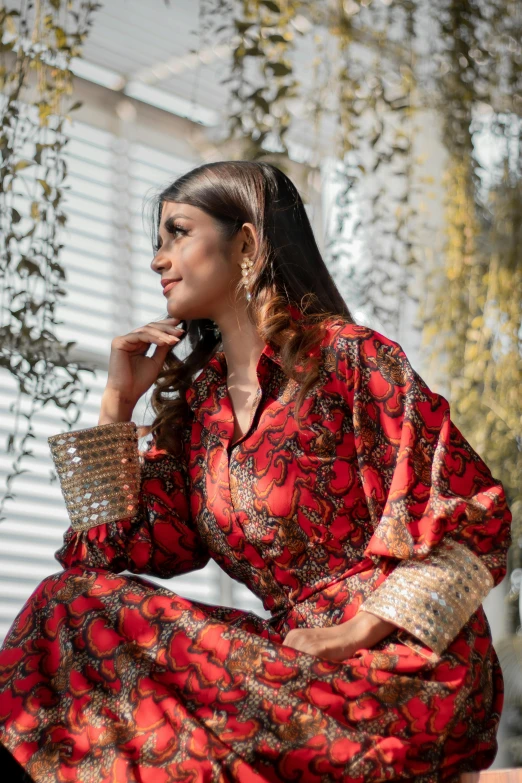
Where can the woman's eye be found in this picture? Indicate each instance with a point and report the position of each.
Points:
(173, 231)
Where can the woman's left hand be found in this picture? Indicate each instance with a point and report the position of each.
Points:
(339, 642)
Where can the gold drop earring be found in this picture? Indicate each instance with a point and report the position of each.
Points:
(246, 268)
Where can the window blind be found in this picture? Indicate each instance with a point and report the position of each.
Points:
(110, 289)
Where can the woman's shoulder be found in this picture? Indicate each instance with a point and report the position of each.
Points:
(381, 360)
(345, 336)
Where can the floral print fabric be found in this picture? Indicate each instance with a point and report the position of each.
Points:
(106, 677)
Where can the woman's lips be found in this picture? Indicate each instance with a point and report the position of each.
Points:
(169, 286)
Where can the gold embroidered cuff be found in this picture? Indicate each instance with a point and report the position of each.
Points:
(99, 472)
(433, 597)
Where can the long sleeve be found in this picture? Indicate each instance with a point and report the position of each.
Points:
(129, 510)
(440, 519)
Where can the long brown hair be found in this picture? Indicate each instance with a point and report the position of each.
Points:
(288, 270)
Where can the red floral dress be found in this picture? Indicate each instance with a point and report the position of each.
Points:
(366, 499)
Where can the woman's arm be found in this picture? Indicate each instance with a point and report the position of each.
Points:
(340, 642)
(441, 525)
(128, 510)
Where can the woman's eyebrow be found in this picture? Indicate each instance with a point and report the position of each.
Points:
(169, 223)
(170, 219)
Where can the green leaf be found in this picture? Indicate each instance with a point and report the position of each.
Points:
(22, 164)
(55, 267)
(241, 26)
(18, 313)
(46, 187)
(31, 267)
(282, 91)
(44, 111)
(262, 103)
(271, 6)
(61, 38)
(279, 69)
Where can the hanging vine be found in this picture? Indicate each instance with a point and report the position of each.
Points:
(474, 326)
(37, 42)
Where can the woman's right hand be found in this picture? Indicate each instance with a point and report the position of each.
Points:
(131, 372)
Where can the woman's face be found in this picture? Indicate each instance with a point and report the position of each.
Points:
(193, 250)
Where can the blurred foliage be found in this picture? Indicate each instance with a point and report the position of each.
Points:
(36, 47)
(377, 68)
(337, 66)
(473, 327)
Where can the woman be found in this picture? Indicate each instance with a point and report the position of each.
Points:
(314, 465)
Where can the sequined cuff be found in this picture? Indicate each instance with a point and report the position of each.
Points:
(433, 597)
(99, 472)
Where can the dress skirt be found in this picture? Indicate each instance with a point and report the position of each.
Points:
(108, 678)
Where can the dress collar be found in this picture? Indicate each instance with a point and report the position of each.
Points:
(213, 377)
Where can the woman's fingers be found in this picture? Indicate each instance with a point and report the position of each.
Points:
(161, 327)
(158, 336)
(151, 334)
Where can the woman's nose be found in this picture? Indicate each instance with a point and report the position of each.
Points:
(158, 262)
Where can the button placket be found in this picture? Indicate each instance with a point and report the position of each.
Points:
(231, 448)
(257, 399)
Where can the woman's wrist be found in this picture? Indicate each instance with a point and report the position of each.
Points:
(340, 642)
(368, 629)
(114, 408)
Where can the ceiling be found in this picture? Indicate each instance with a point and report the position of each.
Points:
(160, 45)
